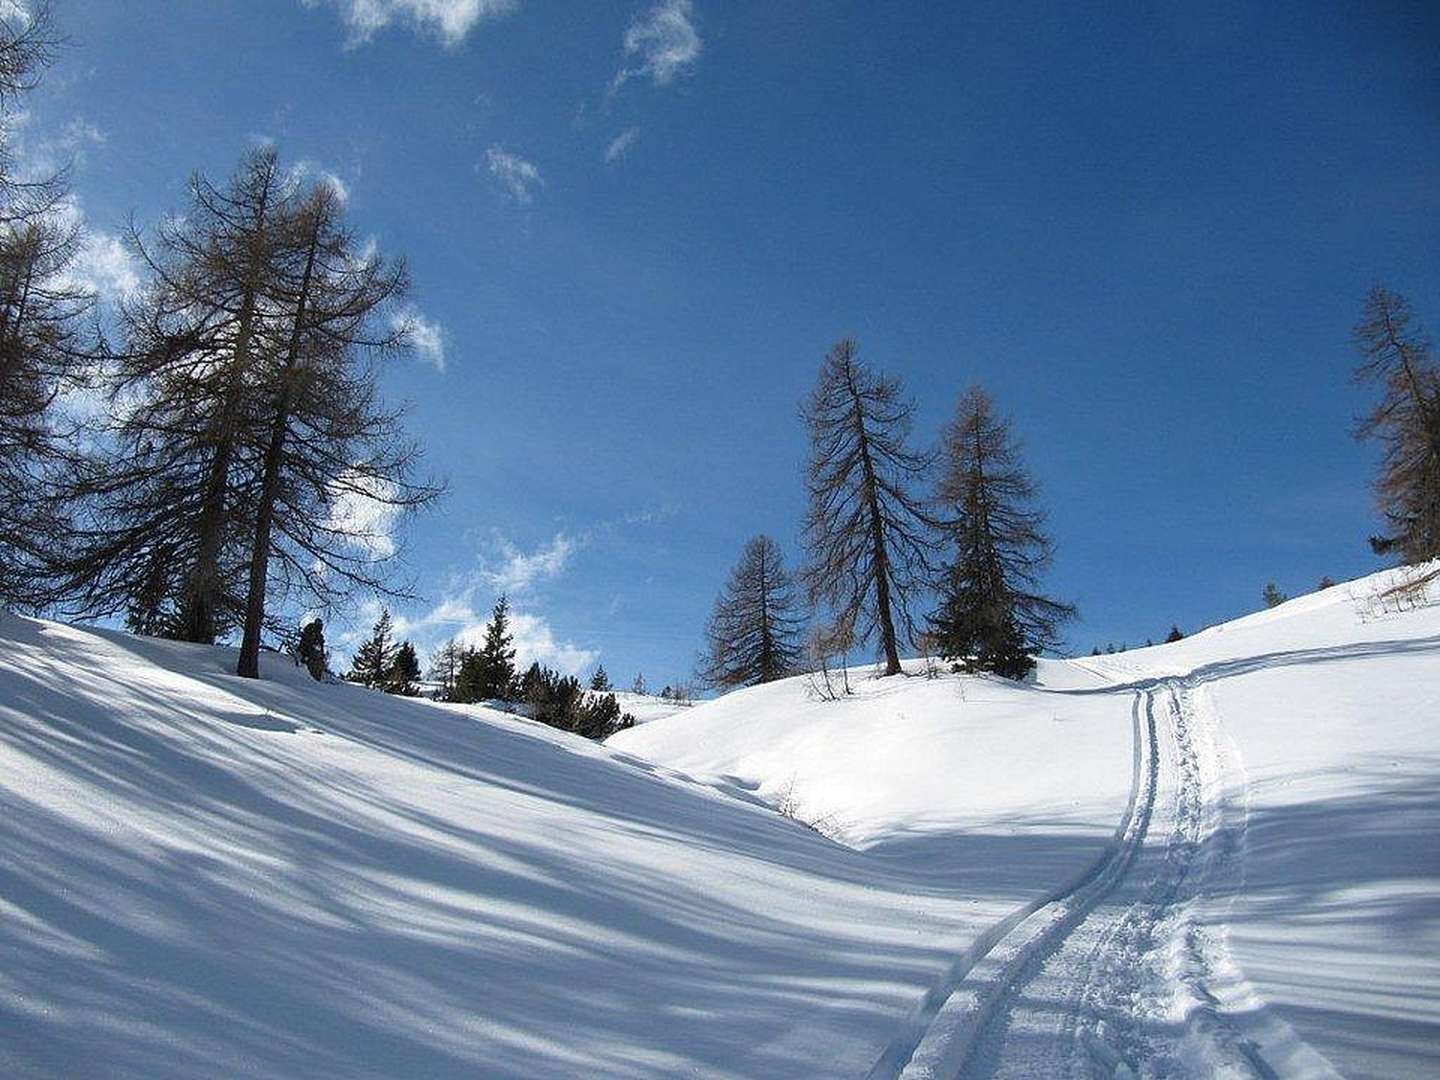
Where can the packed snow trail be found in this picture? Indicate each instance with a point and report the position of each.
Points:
(1120, 977)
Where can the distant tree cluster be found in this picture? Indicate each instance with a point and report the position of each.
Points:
(382, 663)
(470, 674)
(884, 534)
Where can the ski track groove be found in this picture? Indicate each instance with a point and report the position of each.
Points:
(1143, 986)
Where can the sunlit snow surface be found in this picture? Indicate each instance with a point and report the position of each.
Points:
(208, 876)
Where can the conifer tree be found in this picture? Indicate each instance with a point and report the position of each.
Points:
(323, 438)
(992, 616)
(1406, 423)
(45, 348)
(600, 681)
(404, 672)
(754, 632)
(1170, 638)
(869, 535)
(493, 667)
(310, 649)
(371, 664)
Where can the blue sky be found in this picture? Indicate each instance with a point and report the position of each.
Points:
(635, 229)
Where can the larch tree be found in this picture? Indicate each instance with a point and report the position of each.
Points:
(45, 344)
(753, 635)
(165, 505)
(325, 441)
(1406, 422)
(869, 534)
(992, 615)
(445, 667)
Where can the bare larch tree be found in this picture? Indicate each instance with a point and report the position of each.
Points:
(754, 632)
(992, 616)
(868, 534)
(46, 347)
(325, 438)
(1405, 421)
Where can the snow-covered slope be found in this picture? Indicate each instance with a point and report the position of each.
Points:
(1216, 855)
(209, 876)
(1274, 904)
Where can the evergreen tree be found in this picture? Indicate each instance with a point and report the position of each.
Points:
(310, 649)
(992, 616)
(404, 672)
(1172, 637)
(868, 535)
(372, 662)
(638, 686)
(1272, 595)
(493, 669)
(1406, 422)
(754, 632)
(600, 682)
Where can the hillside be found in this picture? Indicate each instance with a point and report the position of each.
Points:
(213, 876)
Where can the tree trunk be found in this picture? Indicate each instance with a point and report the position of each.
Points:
(248, 666)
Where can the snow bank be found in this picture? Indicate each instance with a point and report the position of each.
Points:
(209, 876)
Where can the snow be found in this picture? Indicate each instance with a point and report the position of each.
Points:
(1217, 856)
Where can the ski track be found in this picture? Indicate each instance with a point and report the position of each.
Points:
(1126, 971)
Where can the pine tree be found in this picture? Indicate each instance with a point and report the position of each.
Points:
(600, 682)
(1406, 422)
(310, 649)
(869, 537)
(404, 672)
(493, 674)
(754, 632)
(371, 665)
(992, 616)
(1170, 638)
(1272, 595)
(638, 686)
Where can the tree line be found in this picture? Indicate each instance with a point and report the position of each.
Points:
(891, 526)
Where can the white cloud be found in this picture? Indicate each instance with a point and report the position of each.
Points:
(534, 640)
(518, 176)
(660, 44)
(362, 509)
(519, 570)
(427, 337)
(449, 20)
(304, 170)
(620, 144)
(105, 267)
(457, 616)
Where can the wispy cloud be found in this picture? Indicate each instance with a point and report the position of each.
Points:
(462, 615)
(426, 335)
(518, 570)
(518, 176)
(620, 144)
(363, 509)
(305, 170)
(105, 267)
(448, 20)
(660, 44)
